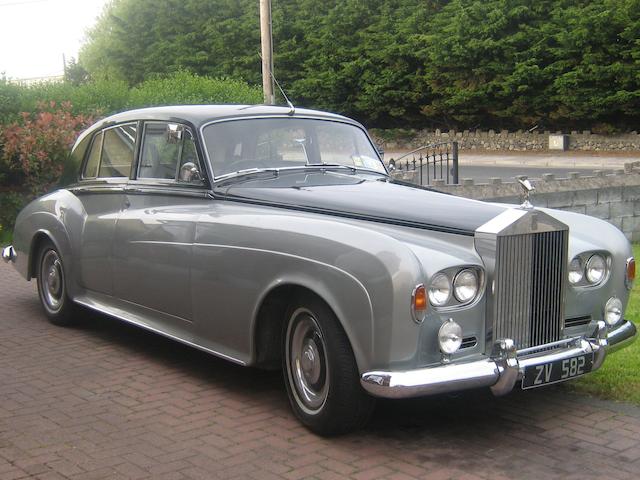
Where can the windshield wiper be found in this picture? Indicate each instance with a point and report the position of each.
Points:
(330, 166)
(339, 166)
(245, 172)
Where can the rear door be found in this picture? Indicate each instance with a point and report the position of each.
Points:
(101, 191)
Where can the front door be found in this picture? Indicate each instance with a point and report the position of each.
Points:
(156, 229)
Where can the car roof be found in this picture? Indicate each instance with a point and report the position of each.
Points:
(198, 115)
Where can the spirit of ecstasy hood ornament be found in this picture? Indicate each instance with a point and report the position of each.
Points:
(527, 188)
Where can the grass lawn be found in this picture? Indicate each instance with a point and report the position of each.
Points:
(619, 377)
(5, 237)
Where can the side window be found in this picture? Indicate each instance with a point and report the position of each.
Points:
(93, 162)
(118, 147)
(169, 153)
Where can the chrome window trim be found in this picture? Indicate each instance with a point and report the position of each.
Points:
(101, 131)
(167, 181)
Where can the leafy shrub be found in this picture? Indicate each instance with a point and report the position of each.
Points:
(35, 148)
(10, 100)
(186, 88)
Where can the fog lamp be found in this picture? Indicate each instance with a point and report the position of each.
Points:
(613, 311)
(450, 337)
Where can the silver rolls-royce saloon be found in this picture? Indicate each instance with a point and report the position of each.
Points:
(275, 237)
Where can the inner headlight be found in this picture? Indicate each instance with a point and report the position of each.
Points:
(439, 290)
(465, 285)
(596, 268)
(576, 272)
(613, 311)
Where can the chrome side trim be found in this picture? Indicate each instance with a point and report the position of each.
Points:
(500, 371)
(9, 254)
(120, 315)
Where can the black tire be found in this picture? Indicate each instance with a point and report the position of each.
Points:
(321, 376)
(52, 286)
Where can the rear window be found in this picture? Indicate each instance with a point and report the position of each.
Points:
(112, 152)
(118, 148)
(93, 162)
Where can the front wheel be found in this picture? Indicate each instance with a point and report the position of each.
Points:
(52, 288)
(321, 375)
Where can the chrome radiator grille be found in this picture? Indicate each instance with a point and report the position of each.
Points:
(529, 287)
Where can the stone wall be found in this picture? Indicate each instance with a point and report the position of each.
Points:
(614, 198)
(505, 140)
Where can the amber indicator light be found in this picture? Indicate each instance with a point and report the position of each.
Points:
(420, 299)
(631, 270)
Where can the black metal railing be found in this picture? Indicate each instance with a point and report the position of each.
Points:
(432, 162)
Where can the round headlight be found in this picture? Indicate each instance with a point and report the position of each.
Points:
(613, 311)
(465, 285)
(440, 290)
(450, 337)
(596, 268)
(576, 272)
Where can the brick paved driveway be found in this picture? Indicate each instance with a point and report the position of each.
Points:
(106, 400)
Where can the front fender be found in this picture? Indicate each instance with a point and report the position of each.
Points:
(365, 276)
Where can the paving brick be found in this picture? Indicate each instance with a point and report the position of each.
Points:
(106, 400)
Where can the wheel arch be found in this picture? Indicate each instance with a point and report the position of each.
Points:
(37, 240)
(267, 328)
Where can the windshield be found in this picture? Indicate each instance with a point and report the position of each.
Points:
(287, 142)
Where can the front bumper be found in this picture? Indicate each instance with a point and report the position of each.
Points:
(500, 371)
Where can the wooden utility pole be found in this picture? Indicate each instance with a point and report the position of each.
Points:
(267, 51)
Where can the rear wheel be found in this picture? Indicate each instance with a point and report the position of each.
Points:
(52, 288)
(321, 375)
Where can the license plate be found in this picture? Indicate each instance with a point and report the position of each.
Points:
(558, 371)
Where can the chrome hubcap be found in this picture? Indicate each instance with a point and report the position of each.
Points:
(52, 281)
(306, 361)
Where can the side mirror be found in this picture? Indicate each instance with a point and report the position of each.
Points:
(189, 173)
(174, 133)
(392, 165)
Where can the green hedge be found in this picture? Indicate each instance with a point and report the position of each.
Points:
(185, 88)
(104, 97)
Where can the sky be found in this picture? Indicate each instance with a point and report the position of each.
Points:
(34, 34)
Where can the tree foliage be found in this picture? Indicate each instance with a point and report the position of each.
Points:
(462, 63)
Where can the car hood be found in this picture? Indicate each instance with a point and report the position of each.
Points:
(365, 198)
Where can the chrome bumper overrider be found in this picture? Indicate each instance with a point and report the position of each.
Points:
(8, 254)
(500, 372)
